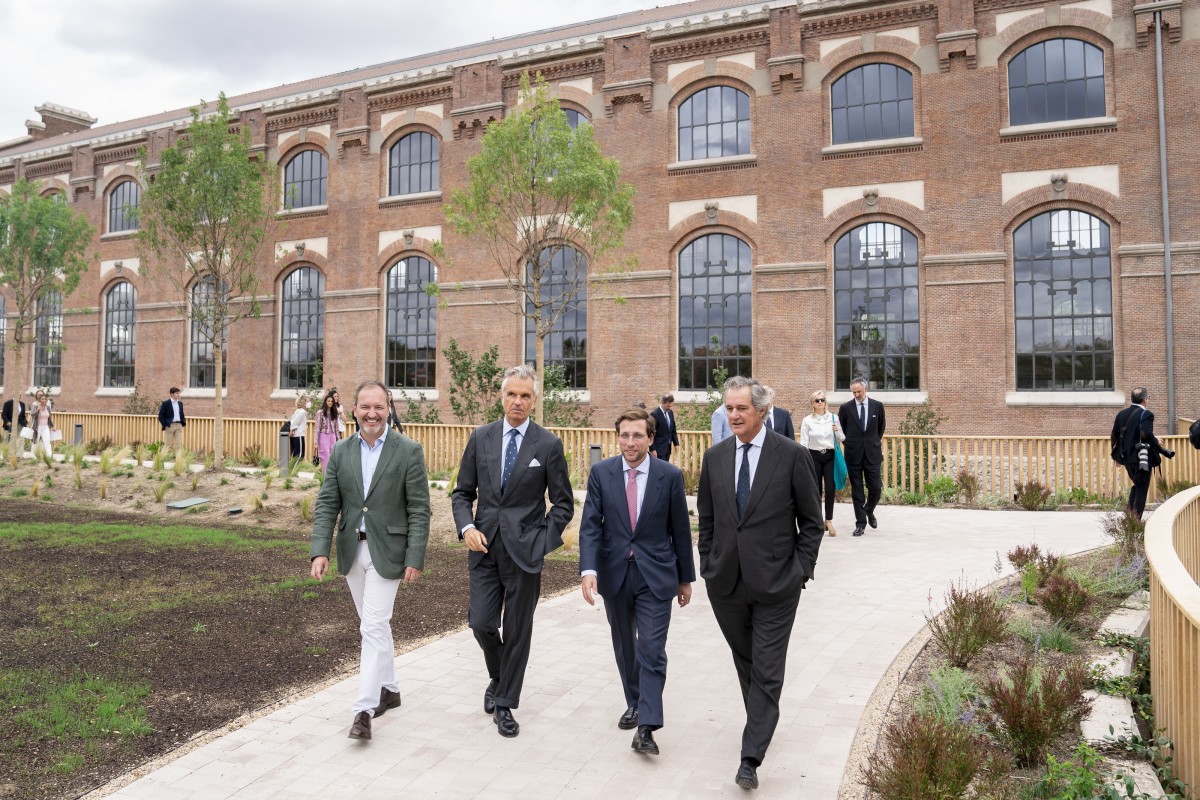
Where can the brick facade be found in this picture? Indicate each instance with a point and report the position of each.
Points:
(790, 202)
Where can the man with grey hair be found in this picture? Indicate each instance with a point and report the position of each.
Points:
(863, 422)
(761, 526)
(508, 470)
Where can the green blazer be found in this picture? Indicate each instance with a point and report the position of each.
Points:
(396, 507)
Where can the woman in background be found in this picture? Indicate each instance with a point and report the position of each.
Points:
(43, 423)
(327, 428)
(299, 427)
(817, 432)
(393, 419)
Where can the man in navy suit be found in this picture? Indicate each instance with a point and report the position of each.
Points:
(863, 421)
(778, 419)
(635, 549)
(664, 428)
(172, 419)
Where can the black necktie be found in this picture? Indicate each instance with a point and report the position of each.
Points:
(743, 482)
(510, 458)
(862, 415)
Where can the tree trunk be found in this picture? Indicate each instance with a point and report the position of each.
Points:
(219, 382)
(539, 364)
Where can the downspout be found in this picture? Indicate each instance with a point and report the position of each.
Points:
(1166, 219)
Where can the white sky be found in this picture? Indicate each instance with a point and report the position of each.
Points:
(122, 59)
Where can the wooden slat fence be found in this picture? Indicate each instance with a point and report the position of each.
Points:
(998, 462)
(1173, 550)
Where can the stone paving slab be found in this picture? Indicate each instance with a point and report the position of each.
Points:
(869, 598)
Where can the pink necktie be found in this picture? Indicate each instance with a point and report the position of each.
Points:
(631, 498)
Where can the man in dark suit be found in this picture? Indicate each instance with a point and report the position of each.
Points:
(635, 549)
(7, 416)
(383, 473)
(510, 466)
(863, 421)
(1133, 431)
(761, 525)
(664, 428)
(778, 419)
(172, 419)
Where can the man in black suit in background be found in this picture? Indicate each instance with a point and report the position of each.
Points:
(863, 421)
(1133, 431)
(172, 419)
(778, 419)
(664, 428)
(7, 416)
(759, 536)
(510, 467)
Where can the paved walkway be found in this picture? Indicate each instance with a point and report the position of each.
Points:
(869, 599)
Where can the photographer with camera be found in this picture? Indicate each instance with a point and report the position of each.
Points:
(1135, 445)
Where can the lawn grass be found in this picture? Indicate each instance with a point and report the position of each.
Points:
(163, 536)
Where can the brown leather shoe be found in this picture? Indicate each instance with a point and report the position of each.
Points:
(387, 699)
(361, 729)
(829, 527)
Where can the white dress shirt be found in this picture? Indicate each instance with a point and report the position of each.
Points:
(755, 452)
(175, 410)
(816, 431)
(369, 459)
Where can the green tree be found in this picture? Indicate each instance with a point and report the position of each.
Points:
(560, 408)
(207, 210)
(43, 250)
(538, 190)
(474, 384)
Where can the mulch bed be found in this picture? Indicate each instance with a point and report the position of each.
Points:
(232, 647)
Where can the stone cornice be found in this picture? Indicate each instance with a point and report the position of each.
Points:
(417, 97)
(553, 73)
(116, 154)
(884, 17)
(707, 23)
(709, 45)
(303, 119)
(548, 52)
(48, 168)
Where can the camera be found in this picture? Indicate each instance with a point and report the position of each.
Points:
(1167, 453)
(1143, 457)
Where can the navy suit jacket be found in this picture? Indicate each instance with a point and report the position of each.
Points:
(166, 415)
(781, 422)
(662, 542)
(664, 434)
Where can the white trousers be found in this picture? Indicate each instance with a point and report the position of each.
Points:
(43, 440)
(375, 600)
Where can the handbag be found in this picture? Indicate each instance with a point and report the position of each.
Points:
(840, 473)
(27, 433)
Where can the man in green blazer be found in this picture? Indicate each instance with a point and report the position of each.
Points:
(376, 482)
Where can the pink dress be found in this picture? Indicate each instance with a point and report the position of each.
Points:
(327, 436)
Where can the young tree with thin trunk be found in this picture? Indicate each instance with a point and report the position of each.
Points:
(43, 251)
(545, 201)
(207, 210)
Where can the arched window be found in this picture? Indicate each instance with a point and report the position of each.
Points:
(47, 352)
(202, 370)
(714, 122)
(120, 317)
(123, 204)
(874, 101)
(1056, 80)
(714, 309)
(563, 283)
(877, 333)
(1062, 275)
(411, 357)
(574, 118)
(304, 180)
(413, 164)
(302, 329)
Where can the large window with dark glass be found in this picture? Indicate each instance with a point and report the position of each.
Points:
(1056, 80)
(714, 309)
(714, 122)
(120, 317)
(874, 101)
(304, 180)
(1062, 276)
(413, 164)
(877, 321)
(411, 357)
(563, 275)
(123, 202)
(47, 333)
(202, 370)
(302, 329)
(574, 117)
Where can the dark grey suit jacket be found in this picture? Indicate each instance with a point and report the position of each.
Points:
(775, 545)
(527, 529)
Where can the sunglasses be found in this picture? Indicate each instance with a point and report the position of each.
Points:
(819, 400)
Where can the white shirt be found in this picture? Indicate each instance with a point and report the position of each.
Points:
(341, 415)
(755, 452)
(816, 431)
(369, 459)
(643, 476)
(299, 422)
(175, 410)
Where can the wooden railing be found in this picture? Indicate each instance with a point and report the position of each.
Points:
(1173, 550)
(999, 463)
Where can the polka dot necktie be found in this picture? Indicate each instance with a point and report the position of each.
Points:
(510, 457)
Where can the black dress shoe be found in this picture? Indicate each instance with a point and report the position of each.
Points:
(489, 697)
(747, 774)
(874, 523)
(505, 723)
(387, 699)
(859, 530)
(643, 741)
(629, 720)
(361, 729)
